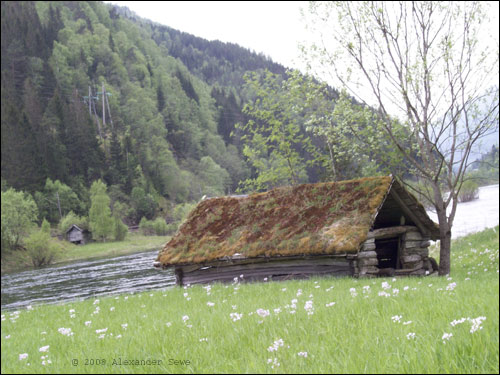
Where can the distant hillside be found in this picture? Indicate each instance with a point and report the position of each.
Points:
(90, 91)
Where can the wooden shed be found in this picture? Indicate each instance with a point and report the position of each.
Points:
(77, 235)
(364, 228)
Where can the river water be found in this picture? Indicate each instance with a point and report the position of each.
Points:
(135, 273)
(84, 279)
(475, 215)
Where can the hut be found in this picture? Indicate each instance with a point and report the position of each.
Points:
(77, 235)
(364, 228)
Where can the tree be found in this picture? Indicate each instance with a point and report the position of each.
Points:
(101, 221)
(41, 249)
(56, 200)
(19, 216)
(421, 64)
(276, 141)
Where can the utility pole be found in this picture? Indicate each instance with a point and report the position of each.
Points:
(59, 204)
(90, 99)
(103, 107)
(109, 112)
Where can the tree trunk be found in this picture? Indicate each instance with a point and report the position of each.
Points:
(444, 232)
(444, 252)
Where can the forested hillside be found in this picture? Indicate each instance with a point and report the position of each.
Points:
(166, 130)
(92, 92)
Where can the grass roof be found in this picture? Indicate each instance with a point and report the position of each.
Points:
(311, 219)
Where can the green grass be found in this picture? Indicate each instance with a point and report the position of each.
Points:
(134, 243)
(360, 333)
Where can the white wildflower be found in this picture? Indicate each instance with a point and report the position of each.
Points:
(235, 316)
(65, 331)
(397, 318)
(302, 354)
(23, 356)
(386, 285)
(262, 313)
(44, 348)
(446, 336)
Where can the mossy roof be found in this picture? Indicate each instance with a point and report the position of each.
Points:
(310, 219)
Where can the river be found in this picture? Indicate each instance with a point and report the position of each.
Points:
(84, 279)
(475, 215)
(135, 273)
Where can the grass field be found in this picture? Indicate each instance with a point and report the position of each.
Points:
(323, 325)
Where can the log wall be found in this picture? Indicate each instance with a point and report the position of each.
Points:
(412, 258)
(259, 269)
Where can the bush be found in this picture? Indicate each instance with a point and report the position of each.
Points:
(41, 249)
(120, 230)
(157, 227)
(160, 227)
(468, 192)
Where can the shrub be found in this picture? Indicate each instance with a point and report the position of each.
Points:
(160, 227)
(468, 192)
(120, 230)
(157, 227)
(41, 249)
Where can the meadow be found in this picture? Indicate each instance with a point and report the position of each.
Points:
(322, 325)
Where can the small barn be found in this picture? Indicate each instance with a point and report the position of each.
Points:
(77, 235)
(364, 228)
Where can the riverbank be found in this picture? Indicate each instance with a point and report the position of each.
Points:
(322, 325)
(134, 243)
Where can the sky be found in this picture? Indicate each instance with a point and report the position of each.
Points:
(274, 28)
(270, 27)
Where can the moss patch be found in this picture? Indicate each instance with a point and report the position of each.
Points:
(324, 218)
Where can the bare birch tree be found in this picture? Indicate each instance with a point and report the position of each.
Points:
(427, 65)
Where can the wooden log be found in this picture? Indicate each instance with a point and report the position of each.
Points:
(420, 272)
(423, 252)
(368, 246)
(367, 254)
(367, 262)
(371, 269)
(413, 265)
(259, 274)
(412, 236)
(271, 268)
(425, 243)
(263, 260)
(390, 232)
(411, 258)
(388, 272)
(413, 244)
(268, 265)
